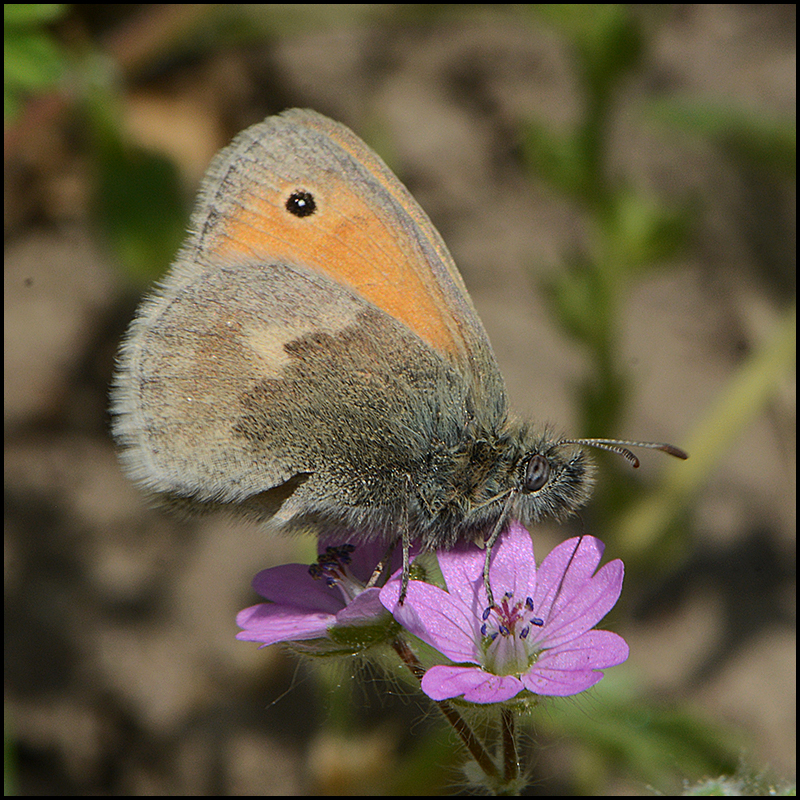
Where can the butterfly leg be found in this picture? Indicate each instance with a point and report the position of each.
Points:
(499, 527)
(406, 544)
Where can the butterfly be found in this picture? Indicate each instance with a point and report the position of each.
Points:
(313, 358)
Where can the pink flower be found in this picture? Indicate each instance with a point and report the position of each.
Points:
(538, 636)
(317, 602)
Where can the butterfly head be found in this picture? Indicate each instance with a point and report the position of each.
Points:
(550, 478)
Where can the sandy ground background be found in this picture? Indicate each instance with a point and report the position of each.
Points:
(122, 674)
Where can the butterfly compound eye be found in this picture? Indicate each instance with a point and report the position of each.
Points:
(537, 474)
(301, 204)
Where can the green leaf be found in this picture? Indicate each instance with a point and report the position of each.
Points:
(20, 14)
(638, 233)
(140, 209)
(32, 61)
(558, 158)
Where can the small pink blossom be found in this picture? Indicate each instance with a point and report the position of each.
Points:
(312, 602)
(538, 636)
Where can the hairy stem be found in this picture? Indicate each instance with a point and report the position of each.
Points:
(471, 742)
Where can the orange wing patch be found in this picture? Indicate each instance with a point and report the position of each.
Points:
(351, 242)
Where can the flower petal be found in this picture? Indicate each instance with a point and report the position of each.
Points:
(564, 571)
(462, 569)
(575, 666)
(292, 585)
(436, 617)
(477, 686)
(586, 607)
(364, 608)
(270, 623)
(560, 683)
(512, 567)
(592, 650)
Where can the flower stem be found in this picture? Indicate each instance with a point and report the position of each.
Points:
(510, 754)
(471, 742)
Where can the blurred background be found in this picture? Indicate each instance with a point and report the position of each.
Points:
(617, 186)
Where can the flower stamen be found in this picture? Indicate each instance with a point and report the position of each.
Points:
(332, 567)
(513, 652)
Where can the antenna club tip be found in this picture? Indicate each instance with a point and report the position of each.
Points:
(620, 446)
(675, 451)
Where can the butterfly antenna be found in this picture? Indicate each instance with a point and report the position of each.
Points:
(620, 446)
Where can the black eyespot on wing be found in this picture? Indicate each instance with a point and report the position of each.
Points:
(301, 203)
(537, 473)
